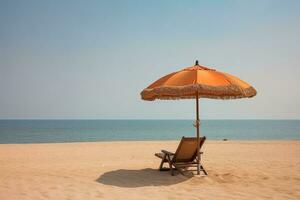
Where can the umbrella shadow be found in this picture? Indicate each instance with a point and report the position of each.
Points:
(140, 178)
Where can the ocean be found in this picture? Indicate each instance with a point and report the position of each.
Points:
(57, 131)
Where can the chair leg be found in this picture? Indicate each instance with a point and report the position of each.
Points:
(162, 163)
(179, 169)
(202, 169)
(171, 168)
(170, 165)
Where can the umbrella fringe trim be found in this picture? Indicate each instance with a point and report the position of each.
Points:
(204, 91)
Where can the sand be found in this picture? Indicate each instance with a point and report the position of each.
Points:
(128, 170)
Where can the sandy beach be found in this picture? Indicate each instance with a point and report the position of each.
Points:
(128, 170)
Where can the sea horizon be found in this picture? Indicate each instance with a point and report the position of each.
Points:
(14, 131)
(37, 119)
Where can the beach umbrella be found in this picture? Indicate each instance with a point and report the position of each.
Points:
(196, 82)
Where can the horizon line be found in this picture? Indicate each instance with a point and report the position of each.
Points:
(143, 119)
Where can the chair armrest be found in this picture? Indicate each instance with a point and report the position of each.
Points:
(167, 152)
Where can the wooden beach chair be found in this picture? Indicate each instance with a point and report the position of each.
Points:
(184, 158)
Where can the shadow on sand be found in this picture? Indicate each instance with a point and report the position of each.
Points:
(140, 178)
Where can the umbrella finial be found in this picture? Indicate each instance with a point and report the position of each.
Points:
(196, 63)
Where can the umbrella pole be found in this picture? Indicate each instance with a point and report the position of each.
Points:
(198, 132)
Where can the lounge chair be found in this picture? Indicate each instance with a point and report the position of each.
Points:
(184, 158)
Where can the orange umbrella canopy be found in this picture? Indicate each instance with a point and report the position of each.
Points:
(198, 81)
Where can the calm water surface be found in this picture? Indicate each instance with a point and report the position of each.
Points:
(49, 131)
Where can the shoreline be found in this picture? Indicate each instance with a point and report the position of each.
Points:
(121, 141)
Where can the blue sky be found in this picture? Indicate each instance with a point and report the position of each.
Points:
(91, 59)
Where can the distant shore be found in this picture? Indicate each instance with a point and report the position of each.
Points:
(113, 170)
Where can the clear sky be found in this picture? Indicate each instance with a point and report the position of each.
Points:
(91, 59)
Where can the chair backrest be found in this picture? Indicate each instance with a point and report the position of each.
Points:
(187, 149)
